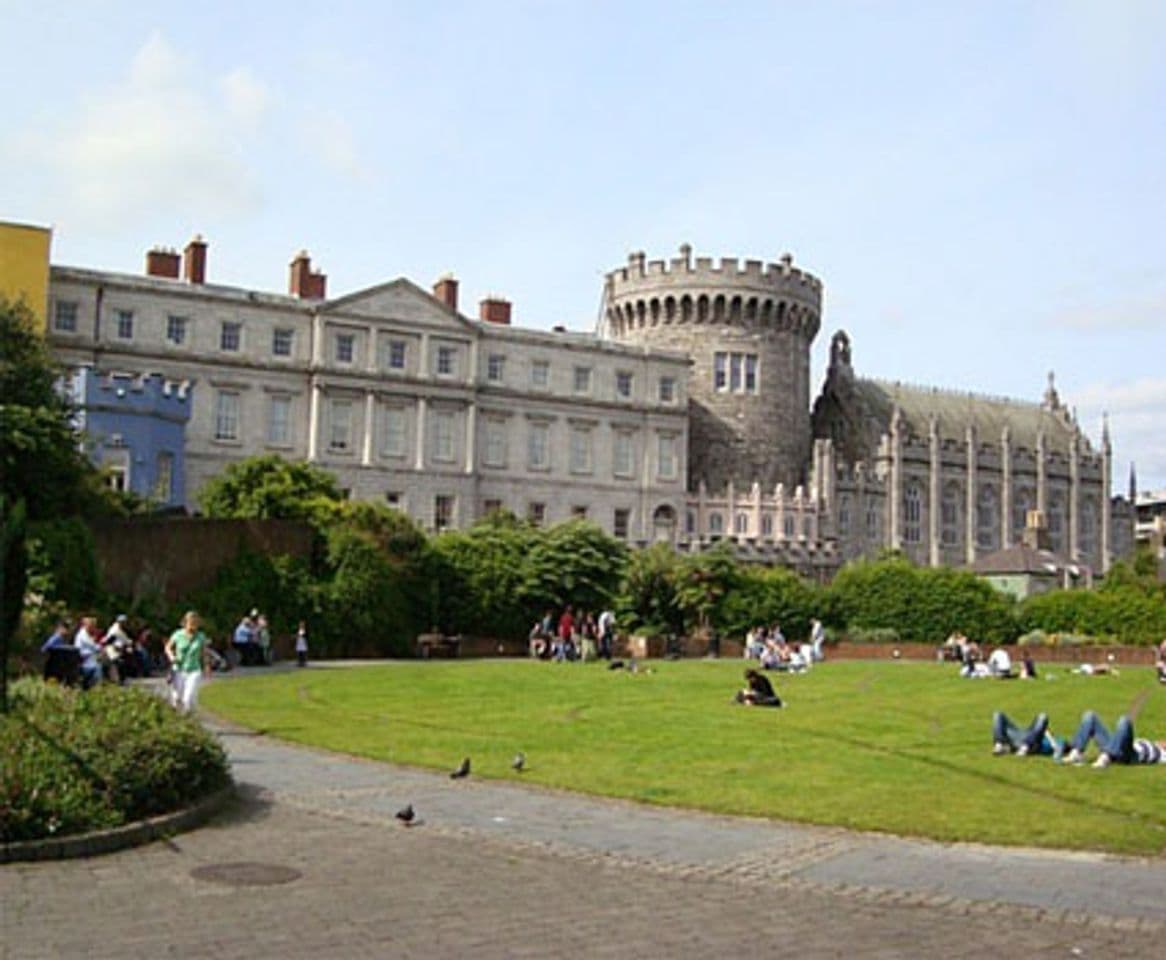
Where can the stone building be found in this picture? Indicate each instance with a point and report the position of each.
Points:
(405, 399)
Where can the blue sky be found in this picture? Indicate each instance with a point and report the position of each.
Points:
(981, 186)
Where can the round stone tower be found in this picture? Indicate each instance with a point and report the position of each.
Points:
(747, 328)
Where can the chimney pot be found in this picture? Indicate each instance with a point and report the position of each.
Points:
(494, 310)
(194, 260)
(446, 290)
(161, 262)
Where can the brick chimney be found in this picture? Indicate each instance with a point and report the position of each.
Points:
(162, 262)
(194, 260)
(494, 310)
(446, 291)
(303, 281)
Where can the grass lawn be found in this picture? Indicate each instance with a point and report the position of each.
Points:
(896, 746)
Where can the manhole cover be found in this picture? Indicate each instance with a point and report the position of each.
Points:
(245, 874)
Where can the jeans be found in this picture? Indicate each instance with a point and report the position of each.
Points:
(1033, 737)
(1119, 744)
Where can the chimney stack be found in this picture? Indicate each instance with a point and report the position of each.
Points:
(162, 262)
(194, 260)
(446, 291)
(303, 281)
(494, 310)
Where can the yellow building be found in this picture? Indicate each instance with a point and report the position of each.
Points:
(24, 266)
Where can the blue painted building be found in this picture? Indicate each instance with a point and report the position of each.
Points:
(135, 429)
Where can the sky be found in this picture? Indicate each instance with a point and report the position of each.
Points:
(980, 185)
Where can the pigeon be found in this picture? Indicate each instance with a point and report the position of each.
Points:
(519, 762)
(462, 771)
(406, 814)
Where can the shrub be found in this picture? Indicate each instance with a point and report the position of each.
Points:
(646, 602)
(873, 635)
(769, 595)
(1121, 613)
(72, 762)
(576, 563)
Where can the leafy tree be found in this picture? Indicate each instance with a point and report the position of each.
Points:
(576, 563)
(647, 595)
(13, 577)
(703, 583)
(269, 487)
(768, 595)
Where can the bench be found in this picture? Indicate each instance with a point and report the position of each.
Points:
(431, 646)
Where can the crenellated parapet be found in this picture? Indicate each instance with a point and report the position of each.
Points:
(146, 395)
(744, 293)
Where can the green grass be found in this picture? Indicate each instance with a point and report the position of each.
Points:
(896, 747)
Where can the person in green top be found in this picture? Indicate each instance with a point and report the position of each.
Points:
(187, 651)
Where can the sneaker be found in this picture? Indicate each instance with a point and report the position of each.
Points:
(999, 749)
(1075, 756)
(1022, 750)
(1102, 762)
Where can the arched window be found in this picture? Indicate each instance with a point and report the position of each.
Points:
(690, 521)
(950, 515)
(1056, 522)
(987, 527)
(913, 513)
(873, 534)
(767, 525)
(741, 523)
(716, 523)
(788, 527)
(1022, 502)
(844, 515)
(1088, 532)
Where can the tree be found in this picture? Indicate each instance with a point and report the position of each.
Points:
(13, 576)
(647, 595)
(576, 563)
(703, 583)
(269, 487)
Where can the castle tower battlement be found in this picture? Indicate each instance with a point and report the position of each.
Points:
(748, 327)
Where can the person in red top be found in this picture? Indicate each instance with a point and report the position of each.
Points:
(565, 645)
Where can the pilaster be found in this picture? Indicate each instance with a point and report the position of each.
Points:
(972, 493)
(933, 494)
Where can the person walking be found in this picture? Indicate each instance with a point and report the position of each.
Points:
(187, 650)
(302, 645)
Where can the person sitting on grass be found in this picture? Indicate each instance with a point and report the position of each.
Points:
(1034, 740)
(758, 692)
(1161, 664)
(1120, 746)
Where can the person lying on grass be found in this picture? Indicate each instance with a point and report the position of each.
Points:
(1120, 746)
(1035, 740)
(758, 692)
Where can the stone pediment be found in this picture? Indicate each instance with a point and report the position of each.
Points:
(401, 301)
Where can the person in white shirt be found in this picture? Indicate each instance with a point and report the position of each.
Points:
(89, 650)
(1000, 663)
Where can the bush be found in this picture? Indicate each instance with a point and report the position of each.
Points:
(72, 762)
(647, 596)
(873, 635)
(769, 595)
(1122, 614)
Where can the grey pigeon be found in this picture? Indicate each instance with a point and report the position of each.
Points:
(406, 814)
(461, 771)
(519, 762)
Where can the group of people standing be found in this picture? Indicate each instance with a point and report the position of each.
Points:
(573, 635)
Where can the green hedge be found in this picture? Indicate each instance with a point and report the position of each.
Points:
(72, 762)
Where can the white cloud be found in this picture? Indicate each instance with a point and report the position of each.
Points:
(164, 137)
(1137, 423)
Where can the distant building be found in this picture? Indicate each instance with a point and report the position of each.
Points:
(1030, 566)
(24, 265)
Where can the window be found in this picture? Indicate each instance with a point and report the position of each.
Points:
(229, 336)
(395, 356)
(690, 522)
(579, 511)
(345, 347)
(788, 526)
(491, 505)
(536, 513)
(767, 525)
(494, 454)
(443, 505)
(741, 524)
(624, 460)
(340, 425)
(1056, 522)
(872, 522)
(125, 324)
(281, 342)
(540, 374)
(279, 420)
(987, 525)
(735, 372)
(580, 450)
(164, 477)
(913, 514)
(65, 316)
(227, 415)
(394, 499)
(538, 455)
(667, 389)
(176, 330)
(582, 379)
(117, 477)
(495, 367)
(666, 452)
(1088, 530)
(716, 523)
(843, 516)
(447, 361)
(393, 432)
(949, 516)
(1020, 508)
(619, 522)
(443, 436)
(623, 385)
